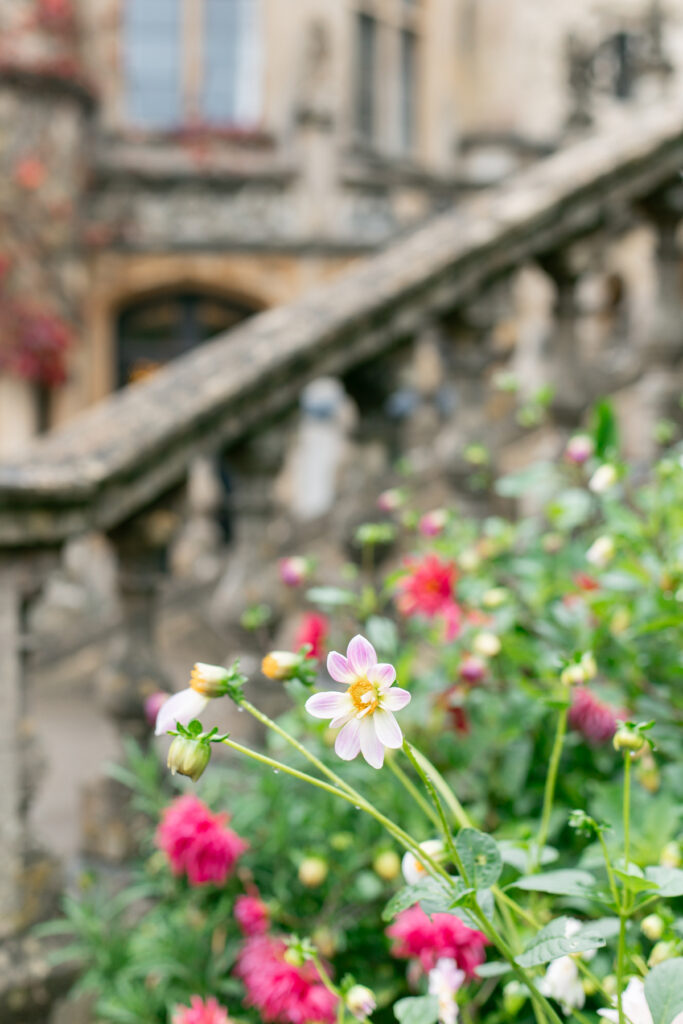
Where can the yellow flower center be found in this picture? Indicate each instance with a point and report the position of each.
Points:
(197, 680)
(363, 696)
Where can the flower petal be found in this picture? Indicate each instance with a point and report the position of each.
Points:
(347, 743)
(339, 668)
(371, 746)
(387, 728)
(361, 655)
(328, 704)
(340, 720)
(382, 674)
(181, 707)
(395, 698)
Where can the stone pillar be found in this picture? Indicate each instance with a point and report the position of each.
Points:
(664, 211)
(12, 816)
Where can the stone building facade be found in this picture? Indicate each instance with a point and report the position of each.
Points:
(169, 167)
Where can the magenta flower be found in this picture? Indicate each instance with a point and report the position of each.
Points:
(278, 990)
(429, 939)
(200, 1012)
(251, 915)
(364, 714)
(198, 843)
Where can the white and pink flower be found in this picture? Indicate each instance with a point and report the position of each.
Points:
(364, 713)
(444, 982)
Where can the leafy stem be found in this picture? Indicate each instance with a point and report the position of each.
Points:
(551, 782)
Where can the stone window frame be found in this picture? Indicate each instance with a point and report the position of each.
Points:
(191, 75)
(393, 19)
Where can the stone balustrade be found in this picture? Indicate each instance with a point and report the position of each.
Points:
(565, 282)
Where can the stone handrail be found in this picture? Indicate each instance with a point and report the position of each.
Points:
(121, 455)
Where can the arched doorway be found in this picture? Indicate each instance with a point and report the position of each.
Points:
(152, 331)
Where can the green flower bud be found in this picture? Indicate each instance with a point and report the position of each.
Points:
(387, 865)
(189, 756)
(514, 997)
(313, 871)
(661, 952)
(670, 857)
(652, 927)
(361, 1001)
(628, 739)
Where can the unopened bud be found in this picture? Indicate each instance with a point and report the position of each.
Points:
(325, 941)
(472, 669)
(579, 448)
(210, 680)
(670, 857)
(514, 997)
(469, 560)
(552, 543)
(294, 957)
(620, 621)
(294, 570)
(486, 644)
(573, 675)
(628, 739)
(589, 665)
(661, 952)
(281, 665)
(189, 756)
(391, 500)
(313, 872)
(494, 597)
(610, 984)
(601, 552)
(432, 523)
(652, 927)
(387, 865)
(360, 1001)
(603, 479)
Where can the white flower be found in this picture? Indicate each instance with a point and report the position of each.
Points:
(412, 868)
(600, 552)
(206, 682)
(603, 479)
(444, 981)
(635, 1006)
(364, 714)
(579, 448)
(562, 982)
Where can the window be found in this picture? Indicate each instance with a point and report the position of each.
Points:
(153, 62)
(385, 74)
(193, 61)
(366, 74)
(154, 330)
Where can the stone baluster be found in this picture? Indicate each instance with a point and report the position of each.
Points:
(563, 355)
(665, 211)
(131, 674)
(29, 878)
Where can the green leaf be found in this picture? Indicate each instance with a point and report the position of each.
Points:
(633, 882)
(332, 596)
(552, 942)
(434, 897)
(492, 969)
(382, 634)
(669, 881)
(417, 1010)
(664, 991)
(570, 882)
(480, 857)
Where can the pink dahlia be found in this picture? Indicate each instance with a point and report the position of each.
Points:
(251, 914)
(428, 590)
(280, 992)
(431, 939)
(197, 842)
(200, 1012)
(313, 630)
(591, 717)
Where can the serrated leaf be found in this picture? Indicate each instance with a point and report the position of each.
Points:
(633, 882)
(480, 857)
(664, 991)
(668, 880)
(417, 1010)
(570, 882)
(552, 942)
(434, 897)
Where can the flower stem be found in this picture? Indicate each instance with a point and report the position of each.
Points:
(414, 792)
(621, 963)
(627, 808)
(347, 793)
(550, 783)
(610, 873)
(443, 820)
